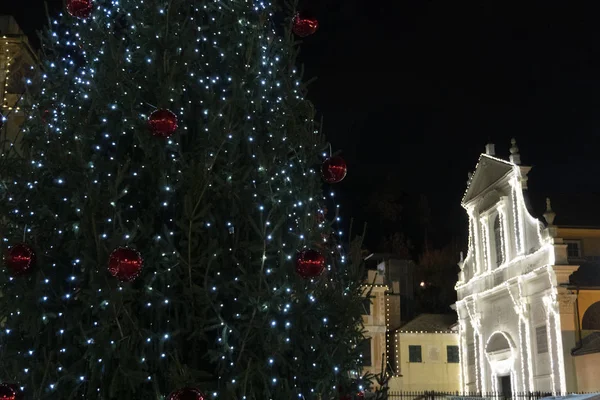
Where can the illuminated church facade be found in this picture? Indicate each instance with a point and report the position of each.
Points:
(519, 318)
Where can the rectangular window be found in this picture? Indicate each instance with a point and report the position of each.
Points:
(573, 248)
(367, 306)
(365, 351)
(414, 354)
(541, 339)
(452, 354)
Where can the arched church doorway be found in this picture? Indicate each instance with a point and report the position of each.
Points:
(500, 353)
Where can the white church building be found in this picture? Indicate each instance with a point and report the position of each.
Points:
(517, 313)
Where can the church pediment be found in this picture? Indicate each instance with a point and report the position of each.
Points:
(489, 170)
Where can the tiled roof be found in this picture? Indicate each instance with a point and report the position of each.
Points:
(430, 323)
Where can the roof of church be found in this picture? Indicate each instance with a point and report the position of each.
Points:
(590, 344)
(488, 170)
(430, 323)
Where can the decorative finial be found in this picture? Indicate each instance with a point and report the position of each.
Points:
(549, 215)
(513, 149)
(490, 149)
(515, 157)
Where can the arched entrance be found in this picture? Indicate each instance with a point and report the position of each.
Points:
(500, 353)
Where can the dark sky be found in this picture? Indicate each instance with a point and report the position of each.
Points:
(414, 90)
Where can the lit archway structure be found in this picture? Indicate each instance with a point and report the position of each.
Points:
(500, 354)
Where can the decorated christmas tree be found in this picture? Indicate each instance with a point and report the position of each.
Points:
(164, 225)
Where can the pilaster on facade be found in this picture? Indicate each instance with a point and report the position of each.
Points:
(477, 254)
(505, 210)
(485, 232)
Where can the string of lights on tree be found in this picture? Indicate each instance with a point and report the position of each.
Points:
(117, 248)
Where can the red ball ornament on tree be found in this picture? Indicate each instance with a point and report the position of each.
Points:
(304, 26)
(334, 169)
(163, 123)
(19, 395)
(125, 264)
(309, 263)
(45, 116)
(7, 393)
(187, 394)
(80, 8)
(359, 395)
(20, 259)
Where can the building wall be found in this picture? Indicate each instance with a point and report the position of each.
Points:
(585, 300)
(434, 372)
(17, 60)
(590, 239)
(376, 323)
(587, 372)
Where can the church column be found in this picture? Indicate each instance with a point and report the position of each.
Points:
(566, 302)
(551, 309)
(463, 348)
(479, 345)
(485, 243)
(527, 335)
(474, 218)
(517, 217)
(503, 210)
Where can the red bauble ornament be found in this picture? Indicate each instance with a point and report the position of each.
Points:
(7, 393)
(334, 169)
(163, 123)
(45, 116)
(125, 264)
(80, 8)
(304, 26)
(19, 395)
(310, 263)
(20, 259)
(359, 395)
(187, 394)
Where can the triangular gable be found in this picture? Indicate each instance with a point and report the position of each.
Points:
(489, 170)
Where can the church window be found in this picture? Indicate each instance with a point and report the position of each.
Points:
(498, 240)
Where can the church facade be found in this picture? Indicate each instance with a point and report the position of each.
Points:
(517, 310)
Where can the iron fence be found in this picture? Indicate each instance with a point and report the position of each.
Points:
(434, 395)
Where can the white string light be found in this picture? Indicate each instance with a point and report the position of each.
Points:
(70, 91)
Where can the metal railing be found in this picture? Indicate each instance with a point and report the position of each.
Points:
(436, 395)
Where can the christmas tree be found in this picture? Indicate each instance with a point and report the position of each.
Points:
(164, 225)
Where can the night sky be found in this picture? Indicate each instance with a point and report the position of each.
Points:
(413, 90)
